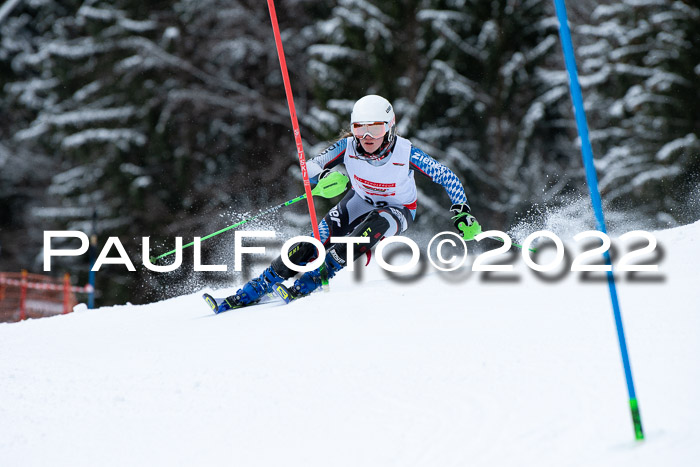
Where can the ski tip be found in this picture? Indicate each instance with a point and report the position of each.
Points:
(282, 292)
(211, 301)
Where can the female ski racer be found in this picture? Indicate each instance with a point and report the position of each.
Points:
(381, 203)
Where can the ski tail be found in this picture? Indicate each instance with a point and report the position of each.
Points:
(219, 305)
(286, 294)
(282, 292)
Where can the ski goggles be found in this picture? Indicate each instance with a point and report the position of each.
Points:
(373, 129)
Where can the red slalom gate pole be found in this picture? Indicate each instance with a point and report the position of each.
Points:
(293, 115)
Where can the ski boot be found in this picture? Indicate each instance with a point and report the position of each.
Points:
(311, 280)
(253, 291)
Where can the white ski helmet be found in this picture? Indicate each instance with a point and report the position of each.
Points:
(371, 109)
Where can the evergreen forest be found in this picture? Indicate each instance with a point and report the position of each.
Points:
(169, 118)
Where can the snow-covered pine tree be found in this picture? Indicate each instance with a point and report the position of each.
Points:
(640, 67)
(24, 173)
(490, 101)
(152, 112)
(471, 86)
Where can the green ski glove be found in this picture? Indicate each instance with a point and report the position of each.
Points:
(465, 223)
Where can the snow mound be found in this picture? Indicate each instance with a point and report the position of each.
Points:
(464, 368)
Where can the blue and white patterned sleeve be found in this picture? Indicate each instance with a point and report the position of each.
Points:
(329, 158)
(438, 173)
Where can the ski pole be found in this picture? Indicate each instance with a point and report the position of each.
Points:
(328, 187)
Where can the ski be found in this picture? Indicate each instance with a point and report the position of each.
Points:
(279, 293)
(283, 293)
(215, 303)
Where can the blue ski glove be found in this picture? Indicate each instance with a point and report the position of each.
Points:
(465, 223)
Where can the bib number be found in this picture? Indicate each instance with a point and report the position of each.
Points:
(379, 204)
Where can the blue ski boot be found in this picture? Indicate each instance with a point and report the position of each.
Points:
(253, 291)
(311, 280)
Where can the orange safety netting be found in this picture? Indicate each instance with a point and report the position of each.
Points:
(24, 295)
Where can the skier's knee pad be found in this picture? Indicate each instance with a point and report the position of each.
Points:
(299, 254)
(378, 224)
(395, 219)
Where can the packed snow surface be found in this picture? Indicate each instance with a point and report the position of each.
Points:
(450, 369)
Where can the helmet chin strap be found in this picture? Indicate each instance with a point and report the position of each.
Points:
(382, 151)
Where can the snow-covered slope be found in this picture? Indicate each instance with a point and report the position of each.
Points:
(458, 369)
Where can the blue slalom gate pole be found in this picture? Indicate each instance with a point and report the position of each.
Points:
(592, 180)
